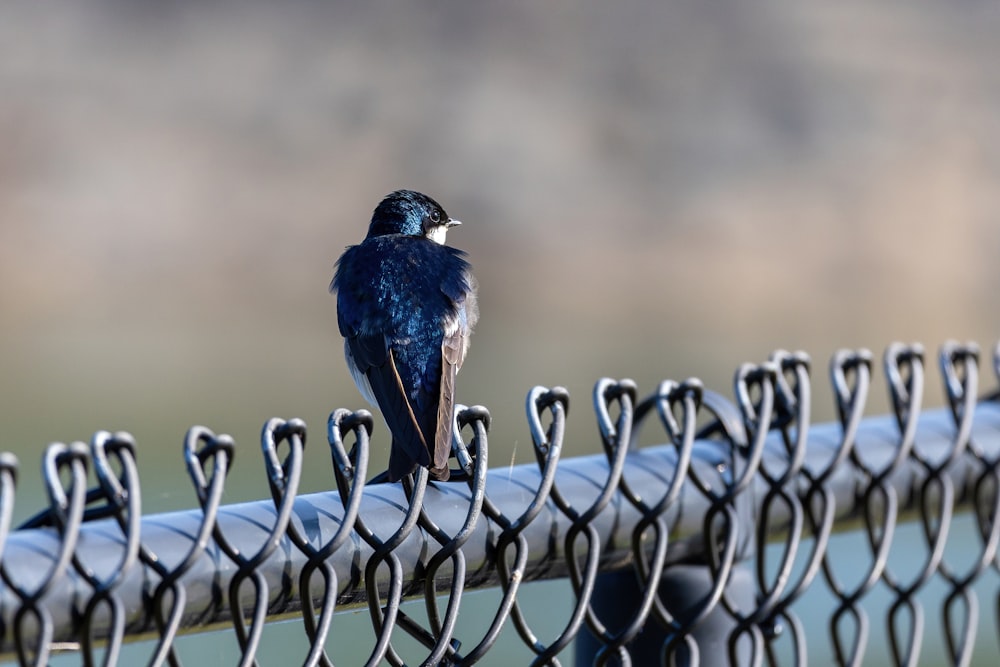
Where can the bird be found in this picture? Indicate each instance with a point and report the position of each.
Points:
(406, 307)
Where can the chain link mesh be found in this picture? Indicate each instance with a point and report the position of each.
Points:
(732, 476)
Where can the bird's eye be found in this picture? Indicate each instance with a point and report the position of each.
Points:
(436, 217)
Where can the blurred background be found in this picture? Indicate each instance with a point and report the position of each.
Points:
(650, 190)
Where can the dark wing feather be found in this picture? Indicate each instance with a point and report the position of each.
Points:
(374, 358)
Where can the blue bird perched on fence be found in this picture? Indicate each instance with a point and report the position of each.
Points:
(406, 305)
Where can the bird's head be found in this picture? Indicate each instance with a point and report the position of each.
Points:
(410, 213)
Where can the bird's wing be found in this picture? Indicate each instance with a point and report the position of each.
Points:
(454, 346)
(376, 361)
(452, 352)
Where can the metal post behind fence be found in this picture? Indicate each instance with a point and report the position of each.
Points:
(683, 590)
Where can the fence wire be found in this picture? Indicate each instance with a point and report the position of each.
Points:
(630, 529)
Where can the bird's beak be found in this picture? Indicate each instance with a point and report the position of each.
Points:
(452, 223)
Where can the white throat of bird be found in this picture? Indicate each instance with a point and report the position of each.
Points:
(437, 233)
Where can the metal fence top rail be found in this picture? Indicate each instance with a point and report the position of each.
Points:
(732, 475)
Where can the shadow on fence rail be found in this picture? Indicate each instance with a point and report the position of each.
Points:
(655, 541)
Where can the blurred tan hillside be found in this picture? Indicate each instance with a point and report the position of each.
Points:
(649, 189)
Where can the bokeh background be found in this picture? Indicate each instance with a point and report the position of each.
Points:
(650, 190)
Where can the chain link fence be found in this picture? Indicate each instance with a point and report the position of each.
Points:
(665, 547)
